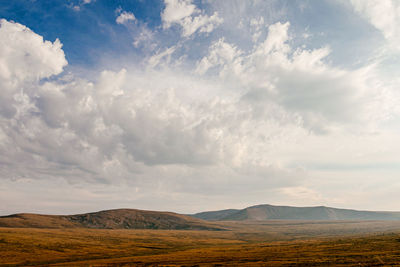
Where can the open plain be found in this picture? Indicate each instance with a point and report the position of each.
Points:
(266, 243)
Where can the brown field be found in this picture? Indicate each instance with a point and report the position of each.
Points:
(268, 243)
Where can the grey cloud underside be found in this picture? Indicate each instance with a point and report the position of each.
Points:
(114, 128)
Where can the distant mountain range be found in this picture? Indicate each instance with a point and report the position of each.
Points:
(143, 219)
(110, 219)
(270, 212)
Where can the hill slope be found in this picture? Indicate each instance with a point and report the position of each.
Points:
(109, 219)
(215, 215)
(270, 212)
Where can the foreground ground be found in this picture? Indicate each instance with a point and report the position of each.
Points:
(247, 244)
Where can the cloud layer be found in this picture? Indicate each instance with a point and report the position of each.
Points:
(189, 17)
(217, 119)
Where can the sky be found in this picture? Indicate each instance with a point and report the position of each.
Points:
(195, 105)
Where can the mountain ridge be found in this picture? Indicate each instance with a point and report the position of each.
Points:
(270, 212)
(110, 219)
(146, 219)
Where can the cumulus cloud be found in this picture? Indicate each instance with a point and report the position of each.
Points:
(122, 124)
(131, 126)
(24, 58)
(299, 80)
(189, 17)
(125, 17)
(176, 11)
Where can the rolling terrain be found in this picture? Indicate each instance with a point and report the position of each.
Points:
(109, 219)
(143, 219)
(251, 237)
(250, 243)
(270, 212)
(128, 237)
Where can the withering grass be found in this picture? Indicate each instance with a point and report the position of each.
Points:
(247, 244)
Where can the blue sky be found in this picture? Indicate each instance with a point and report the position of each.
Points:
(89, 30)
(198, 105)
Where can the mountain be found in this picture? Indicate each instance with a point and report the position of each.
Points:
(143, 219)
(270, 212)
(215, 215)
(110, 219)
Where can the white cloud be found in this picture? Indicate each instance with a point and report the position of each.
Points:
(191, 19)
(383, 15)
(129, 118)
(176, 10)
(240, 120)
(160, 127)
(162, 56)
(257, 25)
(220, 54)
(125, 17)
(24, 58)
(300, 81)
(201, 23)
(78, 7)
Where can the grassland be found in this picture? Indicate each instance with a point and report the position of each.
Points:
(271, 243)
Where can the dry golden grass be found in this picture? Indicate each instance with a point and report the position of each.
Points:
(362, 251)
(29, 246)
(271, 243)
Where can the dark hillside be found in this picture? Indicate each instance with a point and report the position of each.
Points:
(109, 219)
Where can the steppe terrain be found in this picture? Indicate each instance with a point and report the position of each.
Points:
(261, 235)
(266, 243)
